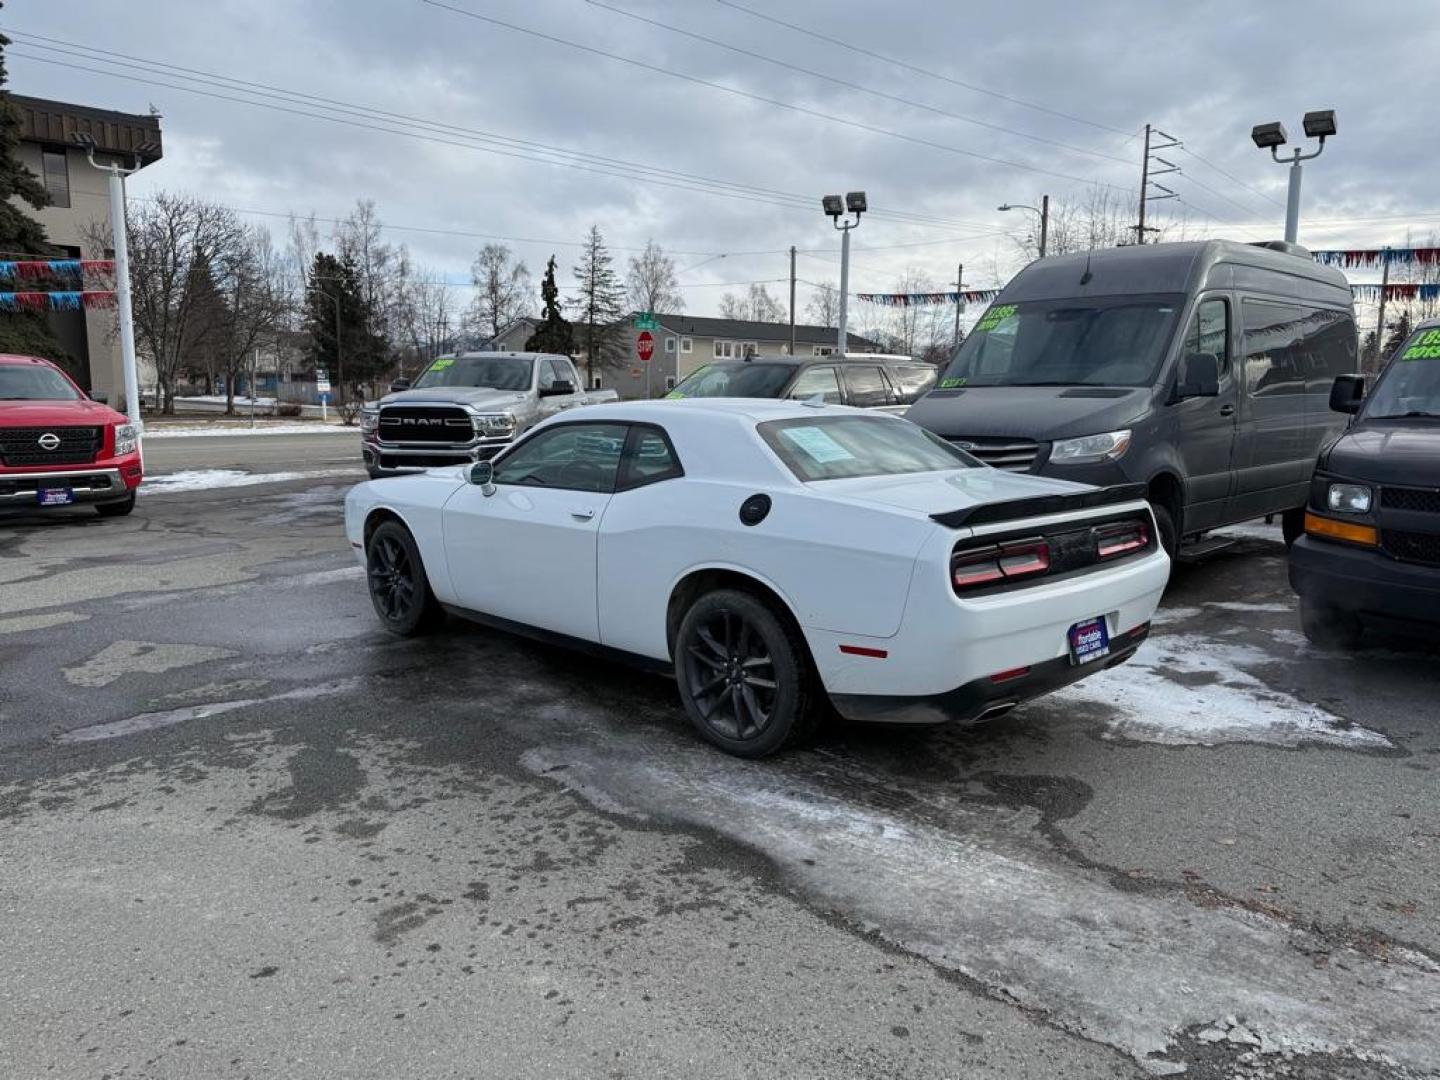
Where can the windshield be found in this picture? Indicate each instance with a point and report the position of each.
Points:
(1099, 341)
(32, 382)
(1410, 386)
(739, 379)
(840, 447)
(494, 372)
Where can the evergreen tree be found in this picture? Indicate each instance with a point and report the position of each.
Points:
(601, 306)
(24, 332)
(1401, 330)
(554, 334)
(361, 354)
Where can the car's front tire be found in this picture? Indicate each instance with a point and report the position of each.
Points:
(399, 589)
(116, 509)
(745, 675)
(1328, 627)
(1292, 525)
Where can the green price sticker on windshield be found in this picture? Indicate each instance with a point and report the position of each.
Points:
(442, 363)
(674, 395)
(994, 317)
(1424, 347)
(952, 384)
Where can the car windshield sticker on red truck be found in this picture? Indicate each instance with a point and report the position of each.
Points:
(994, 317)
(817, 445)
(1424, 346)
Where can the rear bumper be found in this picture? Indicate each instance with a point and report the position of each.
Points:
(983, 698)
(109, 483)
(1365, 582)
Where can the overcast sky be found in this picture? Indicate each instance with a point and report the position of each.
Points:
(1055, 94)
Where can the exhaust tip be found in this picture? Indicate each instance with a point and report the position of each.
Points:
(992, 712)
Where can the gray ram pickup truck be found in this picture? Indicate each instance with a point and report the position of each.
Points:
(467, 408)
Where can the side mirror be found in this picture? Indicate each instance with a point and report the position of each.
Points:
(1346, 393)
(100, 396)
(398, 385)
(482, 475)
(558, 387)
(1200, 377)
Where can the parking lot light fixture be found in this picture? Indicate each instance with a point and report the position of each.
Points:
(1043, 210)
(855, 203)
(1318, 124)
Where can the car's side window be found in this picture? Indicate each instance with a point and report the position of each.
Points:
(545, 378)
(649, 458)
(911, 382)
(572, 457)
(817, 380)
(867, 385)
(1210, 333)
(565, 371)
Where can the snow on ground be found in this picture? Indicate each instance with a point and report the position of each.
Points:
(1183, 689)
(1253, 530)
(261, 428)
(205, 479)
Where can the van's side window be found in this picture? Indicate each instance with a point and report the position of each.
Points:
(1295, 349)
(1210, 333)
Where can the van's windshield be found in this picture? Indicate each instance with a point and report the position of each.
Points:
(1410, 386)
(1090, 341)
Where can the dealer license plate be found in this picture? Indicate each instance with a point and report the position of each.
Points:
(1089, 640)
(55, 497)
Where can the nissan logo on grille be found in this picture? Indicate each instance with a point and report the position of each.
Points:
(49, 441)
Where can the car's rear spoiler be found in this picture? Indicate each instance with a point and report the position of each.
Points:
(1039, 506)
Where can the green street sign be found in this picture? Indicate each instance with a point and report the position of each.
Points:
(646, 321)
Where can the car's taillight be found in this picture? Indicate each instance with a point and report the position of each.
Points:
(1121, 538)
(975, 568)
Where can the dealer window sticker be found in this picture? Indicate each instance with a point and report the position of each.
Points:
(994, 317)
(817, 444)
(443, 363)
(1425, 347)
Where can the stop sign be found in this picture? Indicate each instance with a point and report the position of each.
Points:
(645, 345)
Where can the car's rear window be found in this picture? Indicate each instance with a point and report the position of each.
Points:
(841, 447)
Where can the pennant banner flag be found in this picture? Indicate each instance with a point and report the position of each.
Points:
(1375, 258)
(967, 296)
(1401, 291)
(56, 301)
(10, 269)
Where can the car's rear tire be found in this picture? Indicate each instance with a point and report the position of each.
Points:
(399, 589)
(116, 509)
(745, 675)
(1329, 627)
(1292, 524)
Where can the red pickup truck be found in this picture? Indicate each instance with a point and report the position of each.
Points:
(58, 446)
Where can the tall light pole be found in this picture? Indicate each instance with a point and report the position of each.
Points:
(122, 271)
(854, 203)
(1043, 210)
(1319, 124)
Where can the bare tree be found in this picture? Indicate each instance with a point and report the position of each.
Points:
(502, 290)
(916, 327)
(167, 236)
(431, 324)
(757, 305)
(252, 281)
(1098, 219)
(824, 306)
(652, 284)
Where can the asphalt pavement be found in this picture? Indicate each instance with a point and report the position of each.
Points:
(244, 832)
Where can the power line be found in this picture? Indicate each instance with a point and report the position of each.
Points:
(855, 86)
(481, 141)
(777, 102)
(919, 70)
(1233, 179)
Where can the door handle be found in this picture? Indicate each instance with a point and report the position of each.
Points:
(583, 513)
(1227, 410)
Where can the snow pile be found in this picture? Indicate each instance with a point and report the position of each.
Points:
(213, 430)
(205, 479)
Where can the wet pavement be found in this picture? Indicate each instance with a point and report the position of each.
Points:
(243, 832)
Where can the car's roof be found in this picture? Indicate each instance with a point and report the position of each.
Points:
(753, 409)
(833, 358)
(16, 358)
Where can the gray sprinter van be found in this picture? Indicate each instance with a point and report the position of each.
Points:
(1201, 370)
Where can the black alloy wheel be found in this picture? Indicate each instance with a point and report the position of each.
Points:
(744, 674)
(398, 586)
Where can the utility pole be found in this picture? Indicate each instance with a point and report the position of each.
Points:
(1044, 222)
(1148, 174)
(960, 298)
(844, 337)
(1380, 325)
(792, 299)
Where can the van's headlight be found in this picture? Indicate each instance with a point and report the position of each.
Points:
(1348, 498)
(494, 424)
(125, 440)
(369, 421)
(1090, 448)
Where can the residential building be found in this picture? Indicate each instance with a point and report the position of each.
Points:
(77, 221)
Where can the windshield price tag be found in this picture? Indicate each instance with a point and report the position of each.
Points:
(994, 317)
(820, 447)
(1426, 346)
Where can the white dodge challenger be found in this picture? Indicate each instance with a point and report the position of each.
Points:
(774, 555)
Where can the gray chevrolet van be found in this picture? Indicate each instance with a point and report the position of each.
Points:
(1201, 370)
